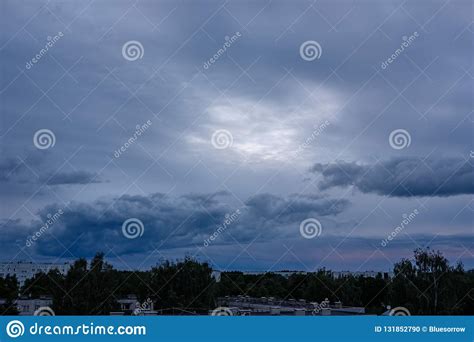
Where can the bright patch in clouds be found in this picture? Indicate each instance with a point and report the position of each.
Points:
(267, 131)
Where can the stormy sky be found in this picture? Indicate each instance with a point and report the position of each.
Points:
(297, 134)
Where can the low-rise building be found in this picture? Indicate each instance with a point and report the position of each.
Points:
(285, 274)
(29, 306)
(245, 305)
(131, 306)
(366, 274)
(26, 270)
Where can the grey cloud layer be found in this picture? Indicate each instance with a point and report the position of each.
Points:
(34, 172)
(260, 90)
(170, 222)
(74, 177)
(402, 177)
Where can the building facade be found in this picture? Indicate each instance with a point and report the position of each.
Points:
(26, 270)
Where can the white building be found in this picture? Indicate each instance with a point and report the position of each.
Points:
(131, 306)
(28, 307)
(245, 305)
(285, 274)
(366, 274)
(26, 270)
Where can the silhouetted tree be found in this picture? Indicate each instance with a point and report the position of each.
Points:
(186, 284)
(8, 292)
(425, 285)
(429, 285)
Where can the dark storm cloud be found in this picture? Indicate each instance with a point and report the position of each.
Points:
(13, 232)
(20, 169)
(75, 177)
(34, 172)
(13, 236)
(171, 222)
(269, 206)
(401, 177)
(7, 167)
(259, 90)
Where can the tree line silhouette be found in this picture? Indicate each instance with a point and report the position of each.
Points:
(425, 285)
